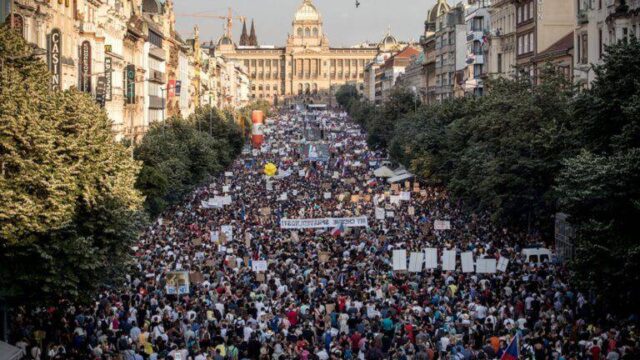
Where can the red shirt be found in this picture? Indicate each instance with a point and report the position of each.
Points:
(293, 317)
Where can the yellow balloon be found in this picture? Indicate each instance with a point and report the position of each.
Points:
(270, 169)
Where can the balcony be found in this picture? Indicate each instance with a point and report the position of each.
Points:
(156, 102)
(473, 59)
(156, 76)
(475, 35)
(87, 27)
(583, 16)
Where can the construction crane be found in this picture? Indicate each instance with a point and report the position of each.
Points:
(229, 18)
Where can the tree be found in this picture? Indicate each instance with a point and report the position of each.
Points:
(182, 154)
(345, 94)
(600, 187)
(382, 124)
(69, 209)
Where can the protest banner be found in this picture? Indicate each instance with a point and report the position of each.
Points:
(449, 260)
(360, 221)
(442, 225)
(177, 283)
(416, 259)
(227, 230)
(431, 258)
(503, 262)
(467, 261)
(259, 265)
(399, 260)
(486, 266)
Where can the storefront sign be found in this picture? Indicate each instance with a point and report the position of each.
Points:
(85, 66)
(55, 58)
(101, 90)
(108, 68)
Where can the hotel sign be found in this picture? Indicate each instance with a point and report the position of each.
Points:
(85, 66)
(55, 58)
(108, 68)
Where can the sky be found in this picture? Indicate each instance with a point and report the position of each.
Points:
(343, 23)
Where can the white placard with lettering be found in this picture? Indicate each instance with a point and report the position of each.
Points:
(227, 230)
(467, 261)
(431, 258)
(379, 213)
(399, 260)
(486, 266)
(502, 264)
(259, 265)
(442, 225)
(416, 259)
(449, 260)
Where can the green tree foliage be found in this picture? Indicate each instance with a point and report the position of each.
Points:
(600, 187)
(68, 207)
(346, 94)
(381, 125)
(182, 154)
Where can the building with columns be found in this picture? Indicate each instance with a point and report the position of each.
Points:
(305, 67)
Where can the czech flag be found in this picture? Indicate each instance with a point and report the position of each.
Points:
(338, 230)
(512, 352)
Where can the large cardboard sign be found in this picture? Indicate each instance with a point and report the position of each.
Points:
(449, 260)
(467, 261)
(360, 221)
(416, 259)
(399, 260)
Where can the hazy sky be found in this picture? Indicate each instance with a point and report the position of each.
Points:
(343, 23)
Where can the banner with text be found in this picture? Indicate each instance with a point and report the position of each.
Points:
(360, 221)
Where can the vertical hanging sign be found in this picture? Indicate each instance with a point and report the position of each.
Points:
(108, 68)
(85, 66)
(101, 90)
(55, 63)
(130, 86)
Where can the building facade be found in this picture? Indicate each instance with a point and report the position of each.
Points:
(502, 43)
(306, 67)
(478, 22)
(450, 51)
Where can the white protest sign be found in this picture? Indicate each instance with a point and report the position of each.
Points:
(327, 195)
(391, 214)
(228, 174)
(269, 186)
(486, 266)
(283, 197)
(394, 199)
(431, 258)
(214, 236)
(503, 263)
(226, 200)
(442, 225)
(467, 261)
(379, 213)
(399, 260)
(259, 265)
(415, 261)
(227, 230)
(360, 221)
(225, 188)
(449, 260)
(405, 196)
(301, 173)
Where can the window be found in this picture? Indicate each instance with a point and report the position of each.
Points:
(584, 49)
(600, 43)
(300, 32)
(307, 32)
(477, 70)
(315, 32)
(499, 60)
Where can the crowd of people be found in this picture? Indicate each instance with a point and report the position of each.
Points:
(325, 294)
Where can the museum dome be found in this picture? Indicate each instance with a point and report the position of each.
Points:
(307, 12)
(440, 8)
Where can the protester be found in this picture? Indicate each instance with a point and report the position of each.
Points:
(326, 293)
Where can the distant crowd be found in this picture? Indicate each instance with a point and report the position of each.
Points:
(326, 293)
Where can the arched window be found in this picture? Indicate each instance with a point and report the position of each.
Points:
(307, 32)
(300, 32)
(299, 89)
(315, 88)
(307, 89)
(315, 32)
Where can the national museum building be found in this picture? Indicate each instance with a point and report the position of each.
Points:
(306, 67)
